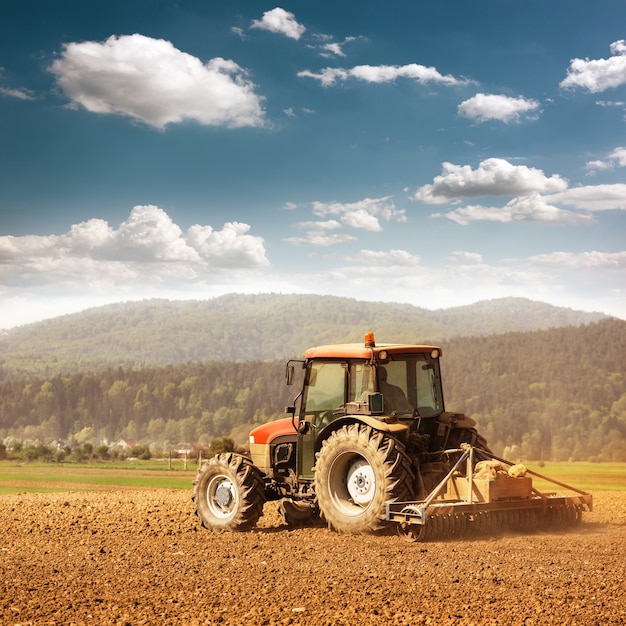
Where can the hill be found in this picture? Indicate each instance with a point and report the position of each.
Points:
(551, 394)
(238, 327)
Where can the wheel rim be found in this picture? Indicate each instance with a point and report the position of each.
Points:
(222, 497)
(352, 483)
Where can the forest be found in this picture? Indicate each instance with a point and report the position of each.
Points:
(556, 394)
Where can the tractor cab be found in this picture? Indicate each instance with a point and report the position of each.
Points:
(391, 387)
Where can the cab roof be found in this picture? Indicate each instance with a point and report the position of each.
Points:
(361, 351)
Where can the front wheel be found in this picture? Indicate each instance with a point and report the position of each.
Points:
(359, 470)
(229, 493)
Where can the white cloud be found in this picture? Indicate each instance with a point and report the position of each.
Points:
(333, 49)
(597, 166)
(615, 158)
(493, 177)
(581, 261)
(230, 247)
(608, 103)
(20, 94)
(146, 249)
(484, 107)
(619, 155)
(364, 214)
(151, 81)
(383, 74)
(361, 218)
(593, 197)
(464, 257)
(531, 208)
(326, 225)
(598, 74)
(387, 257)
(280, 21)
(320, 238)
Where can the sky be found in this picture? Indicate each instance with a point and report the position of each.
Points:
(436, 154)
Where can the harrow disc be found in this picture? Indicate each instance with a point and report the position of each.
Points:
(411, 532)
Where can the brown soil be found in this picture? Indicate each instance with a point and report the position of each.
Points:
(140, 557)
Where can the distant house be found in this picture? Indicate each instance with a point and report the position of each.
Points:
(183, 449)
(125, 445)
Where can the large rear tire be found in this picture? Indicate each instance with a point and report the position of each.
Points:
(229, 493)
(359, 470)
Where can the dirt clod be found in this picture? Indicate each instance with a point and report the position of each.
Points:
(116, 558)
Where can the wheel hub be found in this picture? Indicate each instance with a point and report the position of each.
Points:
(224, 494)
(360, 482)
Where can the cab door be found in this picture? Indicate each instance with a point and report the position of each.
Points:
(324, 392)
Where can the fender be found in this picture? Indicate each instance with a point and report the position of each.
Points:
(396, 429)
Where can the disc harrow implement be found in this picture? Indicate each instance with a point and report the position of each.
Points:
(462, 505)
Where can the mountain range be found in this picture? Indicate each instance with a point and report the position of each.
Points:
(238, 327)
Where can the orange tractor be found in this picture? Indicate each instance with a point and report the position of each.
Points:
(368, 444)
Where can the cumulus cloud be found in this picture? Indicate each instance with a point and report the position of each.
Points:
(597, 75)
(593, 197)
(531, 208)
(147, 248)
(364, 214)
(383, 74)
(616, 158)
(593, 167)
(151, 81)
(493, 177)
(619, 155)
(280, 21)
(485, 107)
(332, 49)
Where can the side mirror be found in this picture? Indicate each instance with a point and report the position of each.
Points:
(289, 374)
(290, 410)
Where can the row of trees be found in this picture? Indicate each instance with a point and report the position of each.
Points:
(184, 403)
(556, 394)
(14, 450)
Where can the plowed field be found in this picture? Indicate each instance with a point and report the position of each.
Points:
(137, 557)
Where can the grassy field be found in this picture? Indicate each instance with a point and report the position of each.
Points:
(587, 476)
(41, 478)
(54, 477)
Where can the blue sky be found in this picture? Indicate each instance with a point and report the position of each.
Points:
(430, 153)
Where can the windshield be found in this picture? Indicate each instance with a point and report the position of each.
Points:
(410, 383)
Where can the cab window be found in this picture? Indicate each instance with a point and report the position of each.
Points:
(325, 390)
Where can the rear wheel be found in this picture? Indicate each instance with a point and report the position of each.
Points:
(229, 493)
(358, 471)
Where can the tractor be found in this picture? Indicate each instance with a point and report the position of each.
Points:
(368, 444)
